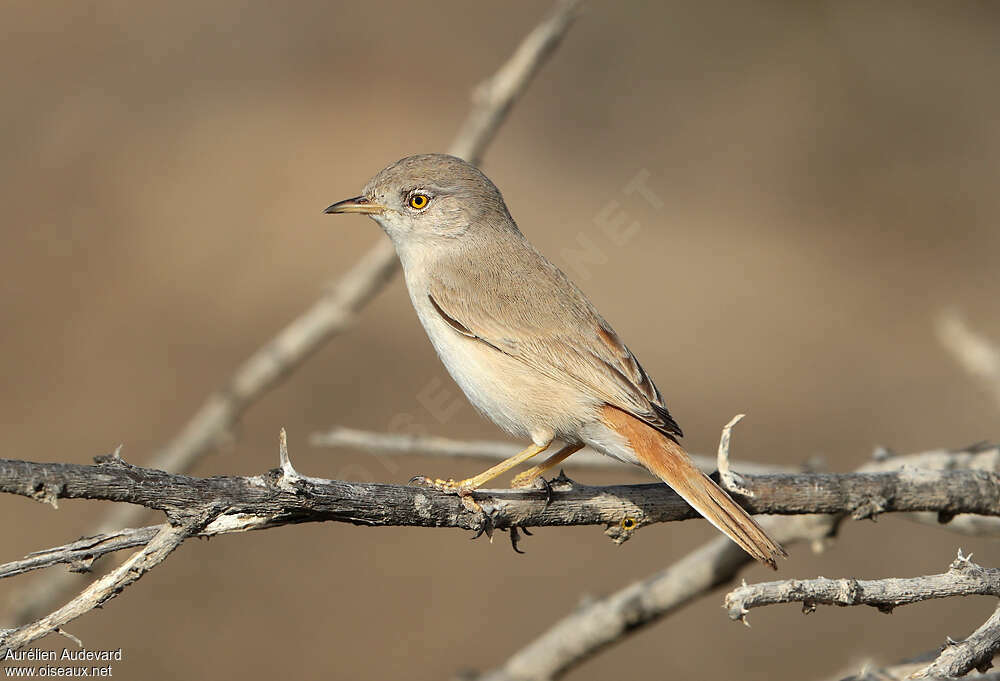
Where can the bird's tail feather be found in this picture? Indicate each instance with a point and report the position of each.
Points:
(666, 459)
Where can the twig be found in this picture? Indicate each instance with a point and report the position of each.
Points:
(331, 314)
(979, 356)
(107, 587)
(82, 553)
(964, 578)
(394, 443)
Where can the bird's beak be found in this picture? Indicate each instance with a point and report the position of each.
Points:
(359, 204)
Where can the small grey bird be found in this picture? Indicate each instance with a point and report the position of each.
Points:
(523, 342)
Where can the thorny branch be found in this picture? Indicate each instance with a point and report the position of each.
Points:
(981, 456)
(273, 499)
(167, 538)
(568, 502)
(332, 313)
(963, 578)
(284, 496)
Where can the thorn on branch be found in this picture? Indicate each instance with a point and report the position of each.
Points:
(730, 480)
(562, 482)
(289, 476)
(113, 458)
(71, 637)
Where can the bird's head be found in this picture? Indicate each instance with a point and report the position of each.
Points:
(429, 198)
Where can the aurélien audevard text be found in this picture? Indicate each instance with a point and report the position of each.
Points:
(66, 654)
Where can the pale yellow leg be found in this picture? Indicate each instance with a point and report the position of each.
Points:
(478, 481)
(529, 476)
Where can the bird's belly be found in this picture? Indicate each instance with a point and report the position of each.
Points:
(516, 397)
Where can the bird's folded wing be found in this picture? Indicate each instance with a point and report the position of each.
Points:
(560, 335)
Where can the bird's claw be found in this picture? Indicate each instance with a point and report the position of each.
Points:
(515, 537)
(488, 526)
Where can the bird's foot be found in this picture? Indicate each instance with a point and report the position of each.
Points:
(459, 487)
(449, 485)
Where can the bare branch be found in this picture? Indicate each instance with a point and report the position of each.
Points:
(334, 312)
(280, 499)
(981, 456)
(81, 553)
(964, 578)
(107, 587)
(984, 456)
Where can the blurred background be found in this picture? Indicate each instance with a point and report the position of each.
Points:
(829, 179)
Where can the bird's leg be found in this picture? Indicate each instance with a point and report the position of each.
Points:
(528, 477)
(469, 484)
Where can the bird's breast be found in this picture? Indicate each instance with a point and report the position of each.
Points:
(508, 391)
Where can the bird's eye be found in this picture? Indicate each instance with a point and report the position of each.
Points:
(419, 201)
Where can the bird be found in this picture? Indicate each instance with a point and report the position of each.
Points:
(524, 343)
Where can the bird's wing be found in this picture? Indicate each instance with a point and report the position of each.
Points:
(553, 329)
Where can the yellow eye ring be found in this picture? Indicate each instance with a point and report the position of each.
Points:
(418, 201)
(628, 523)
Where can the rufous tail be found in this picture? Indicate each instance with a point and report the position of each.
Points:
(666, 459)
